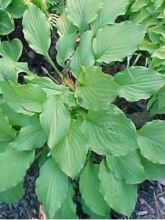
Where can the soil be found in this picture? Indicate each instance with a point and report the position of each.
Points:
(151, 200)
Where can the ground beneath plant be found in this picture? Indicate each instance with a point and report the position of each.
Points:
(151, 200)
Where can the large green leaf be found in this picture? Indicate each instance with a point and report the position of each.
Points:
(65, 47)
(17, 8)
(127, 168)
(95, 89)
(120, 196)
(4, 4)
(68, 208)
(90, 191)
(27, 99)
(30, 136)
(57, 126)
(73, 150)
(83, 55)
(36, 29)
(151, 141)
(51, 188)
(13, 194)
(64, 25)
(13, 167)
(6, 131)
(109, 12)
(47, 85)
(138, 83)
(110, 132)
(153, 171)
(11, 49)
(7, 23)
(120, 40)
(85, 11)
(8, 70)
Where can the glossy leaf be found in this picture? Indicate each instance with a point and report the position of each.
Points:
(83, 55)
(11, 49)
(90, 191)
(36, 29)
(95, 90)
(85, 11)
(13, 167)
(119, 196)
(127, 168)
(7, 23)
(151, 141)
(110, 132)
(55, 120)
(21, 98)
(119, 41)
(138, 83)
(51, 188)
(73, 150)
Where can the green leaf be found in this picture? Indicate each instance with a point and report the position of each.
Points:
(127, 168)
(83, 15)
(110, 132)
(83, 55)
(153, 171)
(30, 137)
(119, 41)
(109, 12)
(4, 4)
(159, 53)
(17, 8)
(36, 29)
(138, 83)
(13, 167)
(16, 119)
(13, 194)
(6, 131)
(21, 98)
(73, 150)
(8, 70)
(151, 141)
(90, 191)
(57, 126)
(11, 49)
(138, 5)
(47, 85)
(51, 188)
(95, 90)
(119, 196)
(65, 47)
(68, 208)
(64, 25)
(7, 23)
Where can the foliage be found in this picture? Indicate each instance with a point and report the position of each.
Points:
(73, 121)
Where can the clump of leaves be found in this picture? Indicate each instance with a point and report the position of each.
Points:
(71, 118)
(151, 15)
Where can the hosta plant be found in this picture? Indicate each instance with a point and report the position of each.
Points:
(69, 123)
(151, 14)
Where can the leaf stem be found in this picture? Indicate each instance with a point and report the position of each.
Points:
(59, 73)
